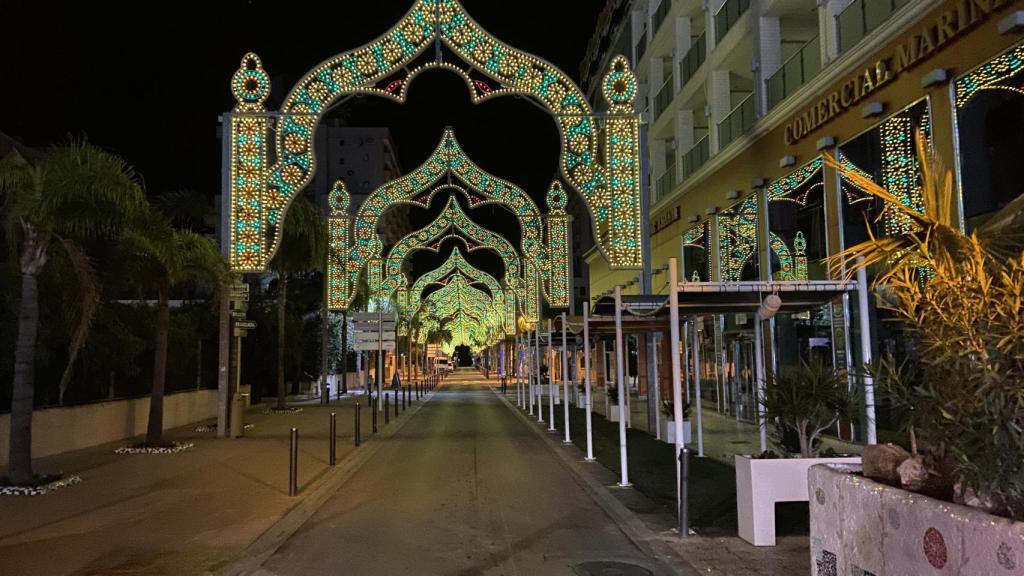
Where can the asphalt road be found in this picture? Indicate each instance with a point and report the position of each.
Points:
(465, 487)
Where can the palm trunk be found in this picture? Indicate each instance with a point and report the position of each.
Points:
(805, 443)
(282, 300)
(154, 434)
(20, 460)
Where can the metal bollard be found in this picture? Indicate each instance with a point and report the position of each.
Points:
(405, 398)
(359, 431)
(293, 464)
(398, 402)
(334, 439)
(684, 481)
(387, 409)
(373, 411)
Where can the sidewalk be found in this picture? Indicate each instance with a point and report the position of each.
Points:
(185, 513)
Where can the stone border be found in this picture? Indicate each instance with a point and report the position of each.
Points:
(213, 428)
(174, 449)
(290, 410)
(39, 490)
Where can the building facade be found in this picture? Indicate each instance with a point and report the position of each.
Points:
(743, 99)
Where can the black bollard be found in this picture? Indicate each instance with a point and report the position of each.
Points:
(359, 431)
(373, 413)
(684, 481)
(387, 408)
(334, 439)
(398, 402)
(293, 464)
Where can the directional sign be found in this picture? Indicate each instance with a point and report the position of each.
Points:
(374, 328)
(246, 324)
(388, 345)
(238, 314)
(373, 336)
(240, 292)
(373, 317)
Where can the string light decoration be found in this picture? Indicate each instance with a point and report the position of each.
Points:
(430, 237)
(558, 248)
(338, 280)
(785, 257)
(900, 172)
(737, 238)
(800, 259)
(696, 237)
(788, 187)
(990, 76)
(853, 194)
(794, 188)
(382, 68)
(248, 165)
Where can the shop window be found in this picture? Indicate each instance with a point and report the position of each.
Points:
(696, 266)
(737, 239)
(796, 222)
(990, 133)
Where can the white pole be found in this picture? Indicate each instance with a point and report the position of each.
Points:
(540, 397)
(696, 387)
(620, 377)
(551, 382)
(380, 355)
(865, 351)
(759, 378)
(677, 385)
(519, 370)
(588, 400)
(565, 387)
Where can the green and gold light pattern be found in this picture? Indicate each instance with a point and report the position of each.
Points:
(558, 248)
(800, 258)
(783, 188)
(452, 218)
(737, 238)
(988, 76)
(374, 69)
(900, 172)
(338, 281)
(853, 194)
(781, 251)
(250, 128)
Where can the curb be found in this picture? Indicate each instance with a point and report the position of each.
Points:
(662, 555)
(250, 561)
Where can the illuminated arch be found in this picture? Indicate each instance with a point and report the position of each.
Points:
(456, 264)
(260, 193)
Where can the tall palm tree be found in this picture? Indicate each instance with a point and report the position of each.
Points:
(156, 257)
(75, 194)
(303, 248)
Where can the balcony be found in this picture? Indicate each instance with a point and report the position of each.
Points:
(737, 122)
(664, 96)
(727, 16)
(690, 63)
(641, 48)
(861, 17)
(696, 157)
(659, 16)
(666, 183)
(795, 72)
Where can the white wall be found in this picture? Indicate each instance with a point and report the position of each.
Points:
(56, 430)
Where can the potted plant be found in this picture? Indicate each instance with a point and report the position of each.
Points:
(668, 424)
(799, 402)
(959, 297)
(614, 412)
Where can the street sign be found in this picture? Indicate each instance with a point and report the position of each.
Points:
(388, 345)
(373, 336)
(246, 324)
(238, 314)
(366, 327)
(240, 292)
(373, 317)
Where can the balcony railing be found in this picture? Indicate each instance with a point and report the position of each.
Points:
(861, 17)
(666, 183)
(659, 16)
(737, 122)
(696, 157)
(795, 72)
(727, 15)
(690, 63)
(641, 47)
(664, 96)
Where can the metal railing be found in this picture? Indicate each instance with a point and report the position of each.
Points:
(737, 122)
(659, 16)
(727, 15)
(666, 182)
(696, 156)
(861, 17)
(664, 96)
(795, 72)
(690, 63)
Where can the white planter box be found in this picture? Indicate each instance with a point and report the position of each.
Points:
(861, 526)
(760, 483)
(613, 413)
(668, 431)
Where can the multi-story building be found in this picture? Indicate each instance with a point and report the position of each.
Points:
(743, 98)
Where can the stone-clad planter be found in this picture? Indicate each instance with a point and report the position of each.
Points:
(859, 526)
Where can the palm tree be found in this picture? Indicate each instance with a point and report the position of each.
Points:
(156, 257)
(303, 248)
(76, 194)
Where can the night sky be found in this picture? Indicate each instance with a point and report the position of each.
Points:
(148, 81)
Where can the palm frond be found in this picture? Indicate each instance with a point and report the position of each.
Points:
(82, 292)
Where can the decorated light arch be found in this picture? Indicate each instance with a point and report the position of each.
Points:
(601, 165)
(471, 315)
